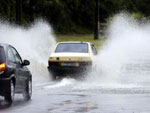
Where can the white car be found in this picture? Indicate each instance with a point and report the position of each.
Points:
(71, 58)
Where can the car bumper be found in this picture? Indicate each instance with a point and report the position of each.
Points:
(65, 70)
(4, 85)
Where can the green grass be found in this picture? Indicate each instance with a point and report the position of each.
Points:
(89, 38)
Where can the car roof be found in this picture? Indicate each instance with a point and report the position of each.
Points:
(74, 42)
(4, 44)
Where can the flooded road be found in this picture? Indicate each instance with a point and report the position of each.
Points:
(120, 83)
(71, 96)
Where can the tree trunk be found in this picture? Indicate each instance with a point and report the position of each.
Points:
(32, 8)
(96, 31)
(18, 12)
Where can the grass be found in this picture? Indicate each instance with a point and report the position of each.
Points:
(85, 38)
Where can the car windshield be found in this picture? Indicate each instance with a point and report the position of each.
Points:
(72, 47)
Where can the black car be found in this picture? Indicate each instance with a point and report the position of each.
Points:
(14, 75)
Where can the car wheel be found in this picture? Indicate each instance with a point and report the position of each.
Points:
(53, 75)
(28, 90)
(9, 96)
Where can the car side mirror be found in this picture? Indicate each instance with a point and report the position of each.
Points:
(95, 52)
(25, 63)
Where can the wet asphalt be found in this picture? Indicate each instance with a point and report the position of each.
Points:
(71, 96)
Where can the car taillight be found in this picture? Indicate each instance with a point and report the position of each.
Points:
(2, 67)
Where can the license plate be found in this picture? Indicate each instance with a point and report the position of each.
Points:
(70, 64)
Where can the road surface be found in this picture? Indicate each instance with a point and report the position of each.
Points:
(73, 96)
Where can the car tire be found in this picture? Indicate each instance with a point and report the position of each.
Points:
(28, 90)
(9, 96)
(54, 77)
(52, 73)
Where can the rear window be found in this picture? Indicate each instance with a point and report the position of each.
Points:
(72, 47)
(2, 55)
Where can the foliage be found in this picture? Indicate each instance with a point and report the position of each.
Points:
(72, 16)
(137, 15)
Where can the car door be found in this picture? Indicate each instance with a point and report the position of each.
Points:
(21, 71)
(12, 62)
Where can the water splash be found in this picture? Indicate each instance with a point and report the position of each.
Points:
(63, 83)
(33, 43)
(123, 62)
(125, 57)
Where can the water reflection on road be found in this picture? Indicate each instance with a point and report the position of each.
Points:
(72, 96)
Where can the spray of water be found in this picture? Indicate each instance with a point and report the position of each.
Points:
(124, 59)
(33, 43)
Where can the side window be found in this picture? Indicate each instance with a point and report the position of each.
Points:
(17, 56)
(2, 54)
(94, 49)
(11, 56)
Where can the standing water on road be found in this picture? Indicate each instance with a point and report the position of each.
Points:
(120, 83)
